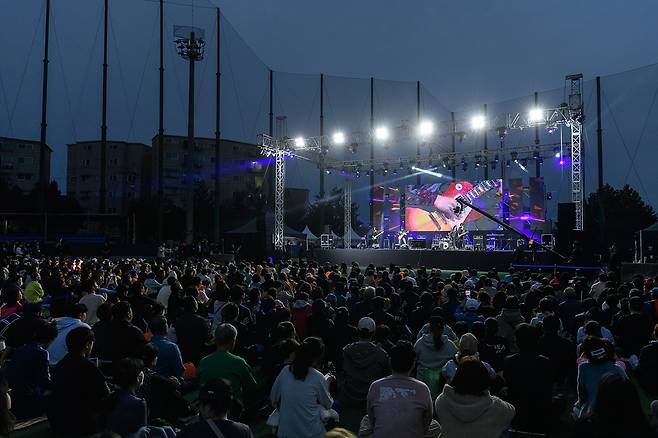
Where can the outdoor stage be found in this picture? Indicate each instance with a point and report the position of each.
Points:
(451, 259)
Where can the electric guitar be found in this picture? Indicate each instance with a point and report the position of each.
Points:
(430, 219)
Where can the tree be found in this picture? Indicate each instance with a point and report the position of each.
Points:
(333, 214)
(614, 216)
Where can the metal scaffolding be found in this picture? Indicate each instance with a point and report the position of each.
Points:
(572, 115)
(347, 214)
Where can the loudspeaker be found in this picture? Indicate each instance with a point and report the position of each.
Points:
(566, 223)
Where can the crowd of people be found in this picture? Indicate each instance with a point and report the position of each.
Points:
(190, 348)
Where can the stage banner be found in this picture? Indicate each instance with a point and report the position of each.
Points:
(537, 198)
(433, 207)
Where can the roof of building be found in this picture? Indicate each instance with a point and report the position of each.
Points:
(205, 139)
(23, 140)
(111, 141)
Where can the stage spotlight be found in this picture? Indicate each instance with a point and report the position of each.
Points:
(478, 122)
(515, 156)
(507, 163)
(425, 129)
(535, 154)
(536, 115)
(328, 171)
(381, 133)
(557, 153)
(445, 163)
(496, 159)
(524, 162)
(338, 138)
(300, 142)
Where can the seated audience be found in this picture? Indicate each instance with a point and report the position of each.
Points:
(466, 409)
(363, 363)
(78, 388)
(301, 393)
(399, 405)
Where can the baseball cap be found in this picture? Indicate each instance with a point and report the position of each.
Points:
(368, 324)
(472, 304)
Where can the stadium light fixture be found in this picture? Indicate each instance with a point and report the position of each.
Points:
(300, 142)
(425, 129)
(338, 138)
(536, 115)
(382, 133)
(478, 122)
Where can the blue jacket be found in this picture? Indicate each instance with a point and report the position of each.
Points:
(170, 361)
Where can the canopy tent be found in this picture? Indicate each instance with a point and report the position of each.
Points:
(646, 237)
(354, 235)
(251, 227)
(309, 234)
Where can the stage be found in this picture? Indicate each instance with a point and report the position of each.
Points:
(450, 259)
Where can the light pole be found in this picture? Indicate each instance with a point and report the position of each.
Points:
(190, 43)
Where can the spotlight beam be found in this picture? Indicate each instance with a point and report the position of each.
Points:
(428, 172)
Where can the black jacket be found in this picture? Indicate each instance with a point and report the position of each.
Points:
(192, 333)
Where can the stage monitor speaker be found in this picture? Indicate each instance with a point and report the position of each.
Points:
(566, 223)
(418, 243)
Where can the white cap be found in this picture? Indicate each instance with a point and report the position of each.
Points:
(367, 324)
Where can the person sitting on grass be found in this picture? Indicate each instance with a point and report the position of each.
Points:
(215, 402)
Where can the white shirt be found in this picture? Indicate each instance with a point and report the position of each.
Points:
(93, 302)
(163, 295)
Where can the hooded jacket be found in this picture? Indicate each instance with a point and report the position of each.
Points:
(57, 349)
(431, 358)
(363, 363)
(471, 416)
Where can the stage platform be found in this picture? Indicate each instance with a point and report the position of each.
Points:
(453, 259)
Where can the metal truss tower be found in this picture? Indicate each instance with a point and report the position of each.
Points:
(347, 213)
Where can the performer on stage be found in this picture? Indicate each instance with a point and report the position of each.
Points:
(458, 235)
(402, 238)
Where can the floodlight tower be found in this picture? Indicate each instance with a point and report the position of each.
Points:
(190, 44)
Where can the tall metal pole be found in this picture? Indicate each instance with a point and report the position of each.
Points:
(486, 146)
(321, 138)
(161, 131)
(103, 170)
(454, 134)
(372, 150)
(43, 172)
(418, 180)
(189, 187)
(537, 164)
(599, 131)
(218, 107)
(271, 131)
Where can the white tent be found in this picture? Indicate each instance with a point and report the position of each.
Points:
(309, 234)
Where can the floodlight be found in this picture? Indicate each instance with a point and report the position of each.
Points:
(300, 142)
(381, 133)
(478, 122)
(425, 128)
(536, 115)
(338, 138)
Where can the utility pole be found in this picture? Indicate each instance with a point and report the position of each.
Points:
(454, 134)
(43, 172)
(537, 161)
(599, 131)
(103, 170)
(372, 150)
(418, 179)
(161, 132)
(218, 107)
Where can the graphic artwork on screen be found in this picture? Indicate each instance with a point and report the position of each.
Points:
(433, 207)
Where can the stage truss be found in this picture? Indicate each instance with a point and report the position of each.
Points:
(569, 114)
